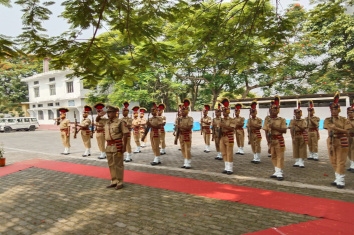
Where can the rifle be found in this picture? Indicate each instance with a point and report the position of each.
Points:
(201, 127)
(92, 126)
(75, 126)
(331, 134)
(213, 130)
(219, 132)
(177, 130)
(146, 131)
(249, 128)
(269, 134)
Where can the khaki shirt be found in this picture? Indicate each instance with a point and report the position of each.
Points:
(255, 121)
(229, 122)
(340, 122)
(163, 119)
(127, 120)
(186, 122)
(216, 122)
(351, 130)
(207, 119)
(85, 123)
(277, 122)
(300, 122)
(240, 121)
(64, 123)
(100, 125)
(156, 120)
(315, 119)
(136, 122)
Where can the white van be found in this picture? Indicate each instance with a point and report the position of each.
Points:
(18, 123)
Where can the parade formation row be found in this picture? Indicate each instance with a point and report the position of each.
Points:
(114, 135)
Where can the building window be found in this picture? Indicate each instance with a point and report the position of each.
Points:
(50, 104)
(51, 79)
(35, 82)
(57, 104)
(33, 106)
(36, 92)
(71, 102)
(40, 105)
(50, 115)
(52, 89)
(40, 115)
(69, 87)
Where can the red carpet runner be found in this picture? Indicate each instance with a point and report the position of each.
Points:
(337, 217)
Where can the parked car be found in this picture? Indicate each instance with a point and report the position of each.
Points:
(18, 123)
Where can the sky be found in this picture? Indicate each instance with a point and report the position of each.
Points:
(11, 24)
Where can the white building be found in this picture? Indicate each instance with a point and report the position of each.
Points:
(51, 90)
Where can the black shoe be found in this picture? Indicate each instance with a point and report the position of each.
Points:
(273, 176)
(188, 167)
(237, 153)
(224, 172)
(241, 153)
(220, 158)
(207, 151)
(89, 154)
(315, 159)
(352, 171)
(66, 153)
(280, 178)
(340, 186)
(269, 155)
(128, 160)
(302, 166)
(179, 149)
(229, 172)
(310, 158)
(295, 165)
(204, 151)
(101, 157)
(84, 155)
(155, 163)
(333, 183)
(183, 166)
(257, 162)
(349, 169)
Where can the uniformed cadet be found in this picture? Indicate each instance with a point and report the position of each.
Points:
(254, 125)
(313, 123)
(185, 126)
(128, 123)
(298, 133)
(215, 134)
(205, 122)
(239, 131)
(85, 130)
(266, 120)
(136, 128)
(227, 126)
(116, 136)
(161, 108)
(155, 123)
(337, 141)
(275, 127)
(101, 142)
(350, 112)
(142, 126)
(64, 125)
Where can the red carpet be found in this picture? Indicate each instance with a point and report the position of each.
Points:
(338, 216)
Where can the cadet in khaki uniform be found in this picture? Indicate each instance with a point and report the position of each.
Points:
(142, 126)
(136, 128)
(239, 132)
(128, 123)
(155, 123)
(101, 142)
(64, 124)
(85, 130)
(337, 141)
(350, 113)
(116, 136)
(265, 123)
(162, 130)
(227, 127)
(254, 125)
(215, 137)
(205, 122)
(275, 127)
(185, 126)
(297, 128)
(313, 123)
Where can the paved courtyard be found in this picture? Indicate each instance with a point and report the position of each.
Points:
(60, 194)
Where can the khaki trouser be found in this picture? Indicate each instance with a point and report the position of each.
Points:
(141, 135)
(155, 144)
(240, 138)
(299, 147)
(226, 149)
(185, 147)
(277, 154)
(255, 143)
(163, 140)
(217, 144)
(101, 142)
(339, 156)
(116, 167)
(65, 139)
(351, 148)
(86, 138)
(206, 137)
(137, 139)
(129, 146)
(313, 141)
